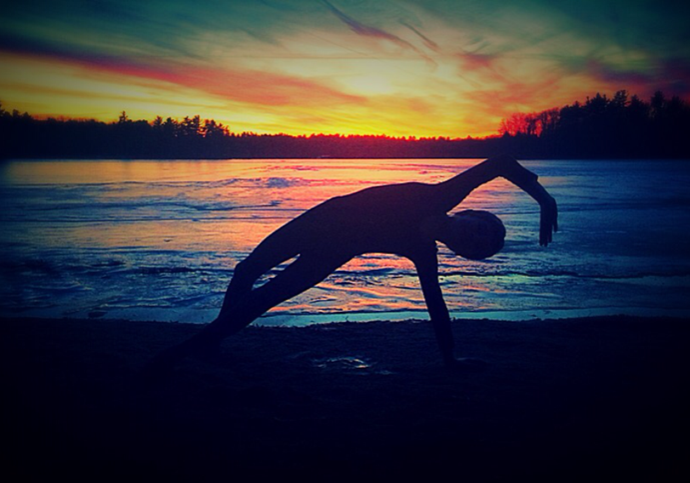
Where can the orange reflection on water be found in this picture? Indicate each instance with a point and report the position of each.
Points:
(220, 210)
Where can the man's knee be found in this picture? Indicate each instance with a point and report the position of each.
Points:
(241, 269)
(243, 276)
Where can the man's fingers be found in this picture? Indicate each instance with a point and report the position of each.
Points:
(547, 226)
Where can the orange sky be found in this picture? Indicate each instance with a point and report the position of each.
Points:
(421, 68)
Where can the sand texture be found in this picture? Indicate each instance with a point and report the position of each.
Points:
(594, 399)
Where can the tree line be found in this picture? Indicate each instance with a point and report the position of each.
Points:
(601, 127)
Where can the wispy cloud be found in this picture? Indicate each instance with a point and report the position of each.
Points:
(368, 31)
(242, 85)
(427, 41)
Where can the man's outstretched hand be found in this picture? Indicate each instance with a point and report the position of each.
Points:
(548, 219)
(512, 170)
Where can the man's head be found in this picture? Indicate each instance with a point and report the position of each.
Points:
(473, 234)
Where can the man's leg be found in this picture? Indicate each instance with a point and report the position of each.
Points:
(300, 275)
(269, 254)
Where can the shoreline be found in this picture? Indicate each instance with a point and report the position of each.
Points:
(600, 398)
(275, 318)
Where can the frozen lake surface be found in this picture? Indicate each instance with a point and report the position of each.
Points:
(159, 239)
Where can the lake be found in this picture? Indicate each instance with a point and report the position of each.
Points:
(159, 239)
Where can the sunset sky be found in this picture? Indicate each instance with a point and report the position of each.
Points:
(420, 68)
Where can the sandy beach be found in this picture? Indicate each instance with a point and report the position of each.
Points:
(594, 399)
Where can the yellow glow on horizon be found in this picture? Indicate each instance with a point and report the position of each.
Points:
(45, 87)
(48, 87)
(395, 97)
(52, 88)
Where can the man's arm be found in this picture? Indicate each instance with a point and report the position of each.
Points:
(427, 270)
(453, 191)
(510, 169)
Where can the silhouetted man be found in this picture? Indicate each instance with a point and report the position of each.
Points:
(403, 219)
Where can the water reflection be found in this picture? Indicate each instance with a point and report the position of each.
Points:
(76, 235)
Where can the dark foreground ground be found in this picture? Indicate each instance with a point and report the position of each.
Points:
(598, 399)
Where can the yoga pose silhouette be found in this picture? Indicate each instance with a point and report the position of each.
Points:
(403, 219)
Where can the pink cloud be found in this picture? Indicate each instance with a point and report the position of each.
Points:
(473, 62)
(514, 97)
(482, 64)
(252, 87)
(672, 76)
(607, 73)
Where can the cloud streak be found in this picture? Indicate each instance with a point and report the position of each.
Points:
(376, 33)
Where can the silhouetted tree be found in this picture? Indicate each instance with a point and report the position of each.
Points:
(621, 126)
(601, 127)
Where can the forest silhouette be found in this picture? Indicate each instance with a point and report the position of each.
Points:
(621, 126)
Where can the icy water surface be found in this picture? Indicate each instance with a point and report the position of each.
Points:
(159, 239)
